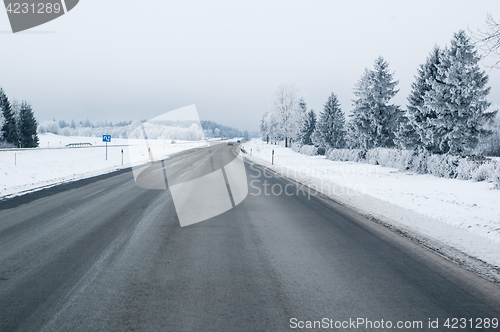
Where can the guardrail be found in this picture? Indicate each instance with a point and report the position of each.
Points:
(77, 145)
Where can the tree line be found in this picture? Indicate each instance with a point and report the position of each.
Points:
(213, 129)
(447, 110)
(19, 126)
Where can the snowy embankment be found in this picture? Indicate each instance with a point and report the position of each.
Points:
(458, 218)
(25, 170)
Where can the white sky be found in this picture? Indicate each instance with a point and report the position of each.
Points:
(121, 60)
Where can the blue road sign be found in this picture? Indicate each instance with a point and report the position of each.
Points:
(106, 138)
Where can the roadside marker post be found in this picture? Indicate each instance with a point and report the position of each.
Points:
(273, 158)
(107, 139)
(122, 157)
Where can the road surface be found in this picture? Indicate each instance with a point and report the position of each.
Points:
(104, 254)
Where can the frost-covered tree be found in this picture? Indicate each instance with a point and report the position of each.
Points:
(331, 124)
(373, 120)
(302, 117)
(268, 127)
(458, 99)
(28, 137)
(308, 127)
(302, 105)
(415, 128)
(208, 133)
(490, 146)
(9, 127)
(264, 131)
(87, 124)
(352, 141)
(286, 112)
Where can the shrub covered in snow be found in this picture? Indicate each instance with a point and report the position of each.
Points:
(423, 162)
(346, 154)
(309, 150)
(296, 147)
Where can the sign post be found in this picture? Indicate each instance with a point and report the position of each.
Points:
(106, 138)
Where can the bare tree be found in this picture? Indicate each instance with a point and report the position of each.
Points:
(285, 111)
(488, 40)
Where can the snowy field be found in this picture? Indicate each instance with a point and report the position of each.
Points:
(24, 170)
(462, 214)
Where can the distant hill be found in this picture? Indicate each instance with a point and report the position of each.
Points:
(209, 129)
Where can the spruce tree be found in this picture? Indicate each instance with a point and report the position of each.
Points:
(415, 129)
(458, 99)
(331, 124)
(374, 121)
(9, 128)
(301, 117)
(27, 127)
(308, 127)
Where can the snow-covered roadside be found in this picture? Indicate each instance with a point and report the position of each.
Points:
(25, 170)
(463, 216)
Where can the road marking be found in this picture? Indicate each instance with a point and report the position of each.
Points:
(228, 187)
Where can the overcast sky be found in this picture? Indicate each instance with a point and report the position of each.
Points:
(121, 60)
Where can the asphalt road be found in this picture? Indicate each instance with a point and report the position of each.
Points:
(104, 254)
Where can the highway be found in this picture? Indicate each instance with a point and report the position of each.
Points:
(104, 254)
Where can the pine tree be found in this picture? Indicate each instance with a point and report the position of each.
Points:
(458, 99)
(331, 124)
(9, 128)
(301, 117)
(27, 127)
(415, 129)
(308, 127)
(373, 120)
